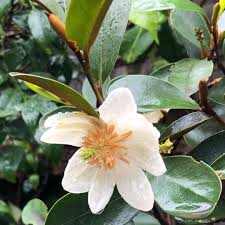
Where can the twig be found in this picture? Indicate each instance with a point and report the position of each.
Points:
(163, 218)
(202, 3)
(59, 27)
(214, 53)
(203, 96)
(219, 63)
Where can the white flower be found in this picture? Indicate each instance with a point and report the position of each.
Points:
(221, 23)
(114, 150)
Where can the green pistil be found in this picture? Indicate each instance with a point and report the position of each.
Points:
(87, 153)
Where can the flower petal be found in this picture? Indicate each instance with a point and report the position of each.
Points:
(66, 128)
(151, 163)
(69, 136)
(119, 103)
(101, 190)
(134, 187)
(78, 175)
(144, 134)
(67, 119)
(143, 145)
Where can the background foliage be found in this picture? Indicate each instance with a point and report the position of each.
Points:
(160, 40)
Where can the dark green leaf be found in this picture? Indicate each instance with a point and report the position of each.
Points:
(135, 42)
(15, 57)
(188, 190)
(5, 214)
(41, 29)
(152, 93)
(34, 213)
(219, 166)
(184, 31)
(186, 74)
(10, 102)
(61, 90)
(210, 149)
(33, 107)
(183, 125)
(84, 19)
(73, 209)
(217, 214)
(105, 50)
(4, 6)
(145, 219)
(10, 160)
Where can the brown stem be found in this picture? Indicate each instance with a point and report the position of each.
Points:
(202, 3)
(163, 218)
(59, 27)
(203, 96)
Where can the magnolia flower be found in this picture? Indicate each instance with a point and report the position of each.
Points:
(114, 150)
(221, 23)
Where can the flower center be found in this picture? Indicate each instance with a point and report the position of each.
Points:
(103, 146)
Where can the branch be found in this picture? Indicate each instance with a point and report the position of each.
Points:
(203, 96)
(163, 218)
(59, 27)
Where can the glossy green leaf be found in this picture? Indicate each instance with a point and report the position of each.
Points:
(84, 19)
(188, 190)
(210, 149)
(41, 29)
(33, 107)
(15, 57)
(4, 6)
(61, 90)
(183, 125)
(34, 213)
(43, 92)
(219, 166)
(217, 214)
(145, 219)
(207, 129)
(217, 93)
(160, 5)
(184, 31)
(73, 209)
(10, 102)
(186, 74)
(150, 21)
(55, 7)
(202, 132)
(10, 159)
(105, 50)
(135, 42)
(152, 93)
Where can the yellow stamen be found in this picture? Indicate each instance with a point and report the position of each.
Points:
(104, 146)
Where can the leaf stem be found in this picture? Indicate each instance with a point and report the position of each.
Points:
(203, 96)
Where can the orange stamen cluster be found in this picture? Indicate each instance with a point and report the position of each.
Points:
(107, 143)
